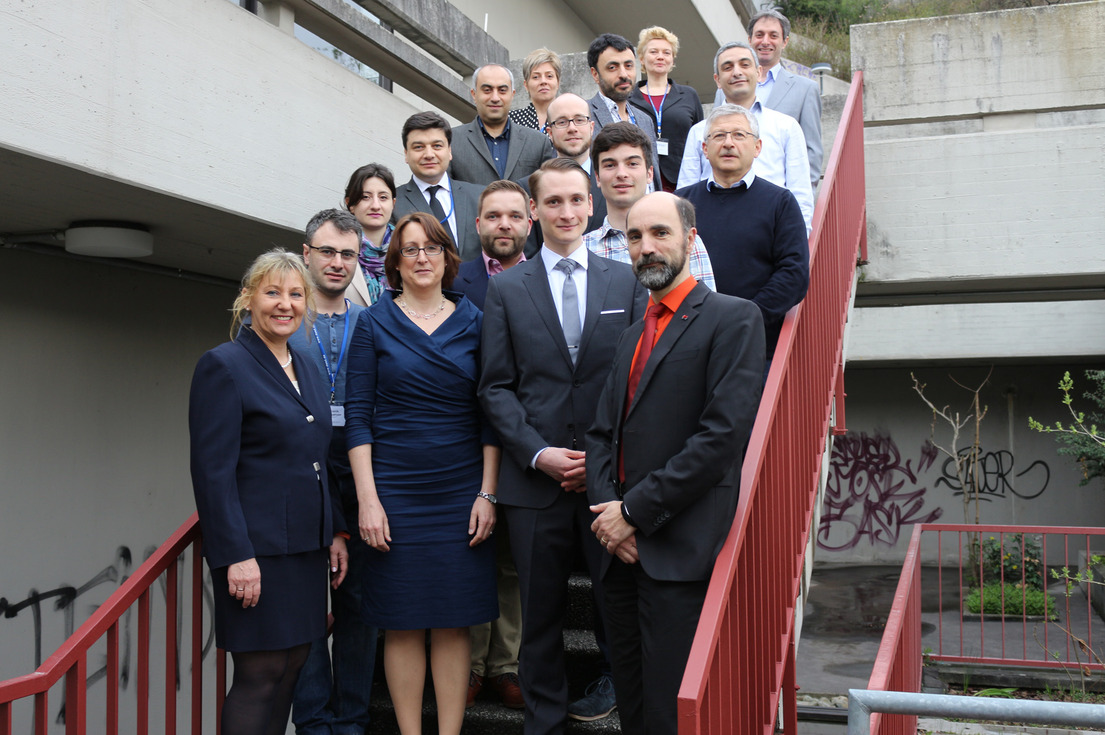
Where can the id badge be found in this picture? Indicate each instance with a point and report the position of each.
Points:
(662, 147)
(337, 415)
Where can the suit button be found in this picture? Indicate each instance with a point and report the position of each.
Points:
(577, 383)
(310, 419)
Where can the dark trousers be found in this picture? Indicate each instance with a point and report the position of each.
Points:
(650, 625)
(544, 542)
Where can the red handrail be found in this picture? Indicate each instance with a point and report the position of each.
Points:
(71, 659)
(742, 662)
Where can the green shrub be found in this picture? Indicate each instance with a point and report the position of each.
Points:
(1001, 560)
(1034, 601)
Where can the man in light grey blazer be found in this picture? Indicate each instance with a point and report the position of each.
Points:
(427, 148)
(491, 147)
(781, 90)
(613, 64)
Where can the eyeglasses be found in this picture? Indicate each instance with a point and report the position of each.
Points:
(328, 253)
(579, 121)
(738, 135)
(410, 251)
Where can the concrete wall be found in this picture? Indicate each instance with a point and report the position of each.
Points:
(523, 25)
(200, 100)
(885, 476)
(985, 153)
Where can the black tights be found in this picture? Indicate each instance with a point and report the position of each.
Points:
(260, 698)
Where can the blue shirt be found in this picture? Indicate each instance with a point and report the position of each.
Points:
(498, 147)
(331, 331)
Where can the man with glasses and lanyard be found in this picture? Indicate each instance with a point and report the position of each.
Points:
(336, 702)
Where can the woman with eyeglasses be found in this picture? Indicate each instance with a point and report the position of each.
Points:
(425, 472)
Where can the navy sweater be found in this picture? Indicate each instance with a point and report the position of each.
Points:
(757, 242)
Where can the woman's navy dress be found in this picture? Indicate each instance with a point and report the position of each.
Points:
(412, 396)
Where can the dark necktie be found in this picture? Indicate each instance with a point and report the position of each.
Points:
(648, 336)
(439, 212)
(569, 307)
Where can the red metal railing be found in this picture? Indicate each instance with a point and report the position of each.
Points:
(71, 659)
(1017, 639)
(742, 660)
(898, 666)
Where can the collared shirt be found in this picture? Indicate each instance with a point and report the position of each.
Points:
(445, 197)
(673, 301)
(494, 267)
(763, 89)
(556, 279)
(612, 107)
(497, 146)
(611, 243)
(331, 332)
(711, 182)
(783, 159)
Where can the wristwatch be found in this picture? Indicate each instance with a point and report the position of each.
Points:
(488, 497)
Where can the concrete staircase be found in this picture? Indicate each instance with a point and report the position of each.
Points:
(488, 716)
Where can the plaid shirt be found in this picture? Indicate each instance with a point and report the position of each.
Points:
(611, 243)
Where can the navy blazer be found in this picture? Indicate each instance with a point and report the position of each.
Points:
(258, 453)
(472, 281)
(684, 435)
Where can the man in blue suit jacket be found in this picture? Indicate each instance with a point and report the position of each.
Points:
(504, 224)
(548, 334)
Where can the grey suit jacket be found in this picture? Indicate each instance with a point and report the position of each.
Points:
(530, 391)
(684, 434)
(466, 198)
(600, 114)
(472, 161)
(800, 98)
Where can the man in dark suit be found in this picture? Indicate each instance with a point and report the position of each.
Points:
(664, 457)
(491, 147)
(504, 224)
(548, 334)
(613, 66)
(782, 90)
(427, 147)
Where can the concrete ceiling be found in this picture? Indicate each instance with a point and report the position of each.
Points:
(39, 196)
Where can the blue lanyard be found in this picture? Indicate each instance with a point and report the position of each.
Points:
(333, 374)
(659, 111)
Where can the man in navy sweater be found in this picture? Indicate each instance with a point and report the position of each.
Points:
(752, 229)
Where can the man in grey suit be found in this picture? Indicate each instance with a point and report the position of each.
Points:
(781, 90)
(549, 330)
(664, 458)
(613, 66)
(427, 142)
(491, 147)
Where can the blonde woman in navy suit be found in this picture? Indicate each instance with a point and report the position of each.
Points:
(260, 432)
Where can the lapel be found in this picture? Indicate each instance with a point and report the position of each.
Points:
(784, 80)
(475, 139)
(599, 111)
(465, 212)
(537, 285)
(598, 281)
(684, 315)
(514, 148)
(414, 197)
(259, 351)
(358, 289)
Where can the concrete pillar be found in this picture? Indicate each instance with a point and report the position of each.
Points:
(279, 14)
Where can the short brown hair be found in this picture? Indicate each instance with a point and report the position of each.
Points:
(556, 164)
(501, 185)
(436, 234)
(618, 134)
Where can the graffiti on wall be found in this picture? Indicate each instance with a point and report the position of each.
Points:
(873, 493)
(63, 601)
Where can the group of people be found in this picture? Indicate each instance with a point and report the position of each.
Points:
(531, 352)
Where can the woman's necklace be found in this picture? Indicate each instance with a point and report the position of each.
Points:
(414, 314)
(289, 362)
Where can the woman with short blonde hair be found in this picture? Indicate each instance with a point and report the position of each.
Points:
(541, 78)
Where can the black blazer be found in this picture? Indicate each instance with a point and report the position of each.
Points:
(530, 391)
(466, 199)
(472, 161)
(258, 454)
(681, 110)
(684, 434)
(472, 281)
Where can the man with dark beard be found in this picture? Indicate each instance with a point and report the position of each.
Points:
(613, 66)
(503, 223)
(664, 456)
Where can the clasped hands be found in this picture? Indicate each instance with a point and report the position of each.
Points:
(613, 532)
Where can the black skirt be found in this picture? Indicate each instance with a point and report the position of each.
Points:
(291, 611)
